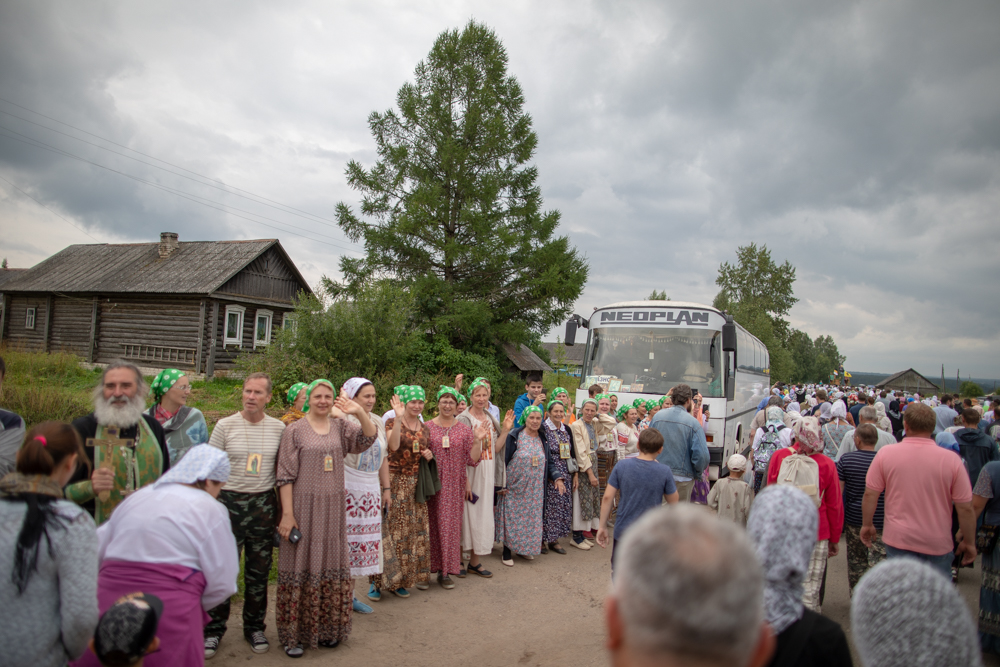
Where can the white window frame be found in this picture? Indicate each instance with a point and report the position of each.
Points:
(269, 314)
(29, 317)
(240, 311)
(289, 321)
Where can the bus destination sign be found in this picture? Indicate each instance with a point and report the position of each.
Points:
(676, 317)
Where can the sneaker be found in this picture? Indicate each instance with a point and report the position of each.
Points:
(374, 594)
(258, 643)
(401, 593)
(446, 582)
(584, 545)
(423, 585)
(361, 608)
(294, 651)
(211, 646)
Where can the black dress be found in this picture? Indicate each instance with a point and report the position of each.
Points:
(824, 644)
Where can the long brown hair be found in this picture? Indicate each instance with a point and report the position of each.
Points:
(46, 446)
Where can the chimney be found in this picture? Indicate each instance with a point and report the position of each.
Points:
(168, 244)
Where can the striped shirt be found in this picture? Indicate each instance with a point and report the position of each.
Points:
(239, 439)
(852, 468)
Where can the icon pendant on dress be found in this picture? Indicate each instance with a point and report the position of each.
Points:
(534, 461)
(416, 447)
(445, 442)
(328, 464)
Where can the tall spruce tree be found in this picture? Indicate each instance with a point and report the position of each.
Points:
(451, 208)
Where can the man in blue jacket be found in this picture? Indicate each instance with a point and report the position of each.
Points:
(684, 446)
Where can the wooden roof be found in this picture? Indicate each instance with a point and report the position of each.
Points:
(195, 267)
(574, 353)
(524, 359)
(916, 381)
(6, 275)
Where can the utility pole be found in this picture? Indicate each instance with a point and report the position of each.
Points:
(943, 388)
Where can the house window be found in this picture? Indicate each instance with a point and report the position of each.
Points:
(262, 328)
(233, 334)
(290, 322)
(29, 319)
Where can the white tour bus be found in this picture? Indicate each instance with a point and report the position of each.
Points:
(643, 348)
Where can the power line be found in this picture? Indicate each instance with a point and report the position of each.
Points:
(184, 195)
(96, 136)
(43, 205)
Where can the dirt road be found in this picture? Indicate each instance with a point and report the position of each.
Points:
(544, 612)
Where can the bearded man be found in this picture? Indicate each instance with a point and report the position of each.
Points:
(127, 449)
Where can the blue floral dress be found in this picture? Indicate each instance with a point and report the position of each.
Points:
(519, 511)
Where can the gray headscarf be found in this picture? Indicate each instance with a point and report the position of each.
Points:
(907, 614)
(824, 412)
(783, 524)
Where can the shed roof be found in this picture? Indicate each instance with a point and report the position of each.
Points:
(6, 275)
(195, 267)
(895, 379)
(524, 359)
(574, 353)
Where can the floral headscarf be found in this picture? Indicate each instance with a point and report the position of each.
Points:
(313, 385)
(527, 411)
(477, 383)
(775, 416)
(807, 435)
(412, 392)
(559, 390)
(293, 391)
(354, 385)
(623, 411)
(449, 391)
(163, 381)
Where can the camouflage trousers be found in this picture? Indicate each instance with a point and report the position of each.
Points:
(254, 518)
(859, 557)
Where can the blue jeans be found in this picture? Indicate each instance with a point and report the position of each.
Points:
(940, 563)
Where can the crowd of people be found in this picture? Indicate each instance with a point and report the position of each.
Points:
(134, 515)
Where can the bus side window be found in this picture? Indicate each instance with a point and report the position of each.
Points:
(744, 354)
(767, 361)
(759, 366)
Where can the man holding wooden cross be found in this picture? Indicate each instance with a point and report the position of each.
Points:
(127, 448)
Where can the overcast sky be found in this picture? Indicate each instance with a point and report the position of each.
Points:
(860, 141)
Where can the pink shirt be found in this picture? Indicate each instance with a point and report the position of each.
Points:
(921, 481)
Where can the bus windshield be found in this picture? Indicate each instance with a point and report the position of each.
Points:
(652, 360)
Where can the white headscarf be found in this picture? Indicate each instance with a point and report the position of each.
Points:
(354, 385)
(200, 463)
(838, 411)
(783, 524)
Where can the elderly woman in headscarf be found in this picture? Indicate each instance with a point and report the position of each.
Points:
(625, 430)
(586, 494)
(883, 423)
(782, 526)
(366, 490)
(560, 394)
(478, 529)
(406, 524)
(835, 429)
(172, 539)
(557, 518)
(530, 464)
(296, 400)
(184, 426)
(768, 439)
(315, 588)
(807, 441)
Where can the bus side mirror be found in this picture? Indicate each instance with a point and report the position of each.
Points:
(729, 335)
(570, 333)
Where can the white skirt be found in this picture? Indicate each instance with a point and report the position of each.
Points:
(477, 520)
(363, 500)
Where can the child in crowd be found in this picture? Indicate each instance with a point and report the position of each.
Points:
(644, 483)
(731, 496)
(533, 394)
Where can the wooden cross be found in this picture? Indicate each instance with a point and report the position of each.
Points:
(106, 446)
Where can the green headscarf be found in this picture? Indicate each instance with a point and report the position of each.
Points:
(600, 396)
(451, 391)
(637, 402)
(294, 390)
(662, 399)
(313, 385)
(163, 381)
(412, 392)
(555, 401)
(399, 389)
(476, 384)
(652, 403)
(559, 390)
(623, 410)
(527, 411)
(589, 400)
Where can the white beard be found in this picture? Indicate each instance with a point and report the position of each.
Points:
(121, 415)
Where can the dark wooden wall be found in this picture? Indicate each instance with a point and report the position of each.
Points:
(152, 320)
(225, 357)
(71, 325)
(16, 335)
(267, 277)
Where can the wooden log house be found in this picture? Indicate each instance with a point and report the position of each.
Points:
(192, 305)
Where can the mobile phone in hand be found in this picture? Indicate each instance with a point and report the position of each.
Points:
(474, 498)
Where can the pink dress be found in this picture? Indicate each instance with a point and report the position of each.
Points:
(444, 509)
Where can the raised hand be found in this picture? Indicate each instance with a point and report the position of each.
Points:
(346, 405)
(397, 405)
(458, 381)
(481, 433)
(508, 420)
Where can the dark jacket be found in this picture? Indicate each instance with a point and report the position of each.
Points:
(552, 471)
(977, 450)
(428, 480)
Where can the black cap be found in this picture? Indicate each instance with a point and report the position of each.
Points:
(127, 629)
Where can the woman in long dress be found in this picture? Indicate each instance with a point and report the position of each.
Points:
(557, 519)
(455, 447)
(529, 465)
(406, 521)
(366, 491)
(477, 520)
(172, 539)
(315, 589)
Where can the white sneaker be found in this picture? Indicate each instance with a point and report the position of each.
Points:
(584, 546)
(211, 646)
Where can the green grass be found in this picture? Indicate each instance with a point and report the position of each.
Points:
(41, 386)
